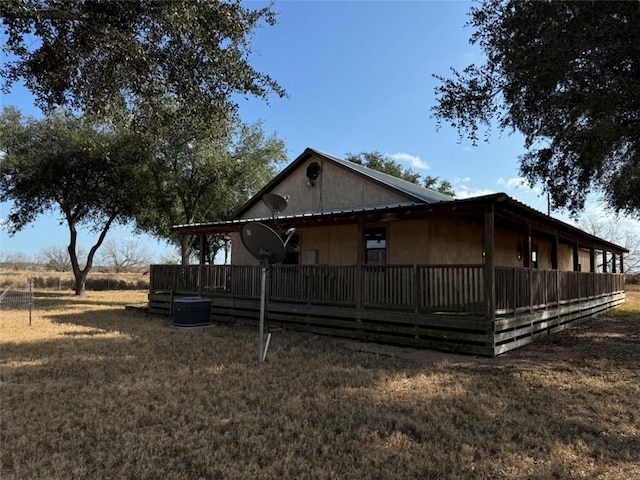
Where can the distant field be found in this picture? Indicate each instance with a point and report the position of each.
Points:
(48, 280)
(93, 391)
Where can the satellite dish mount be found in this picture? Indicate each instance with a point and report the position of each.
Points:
(267, 246)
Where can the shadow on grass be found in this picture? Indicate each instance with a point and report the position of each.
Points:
(193, 404)
(48, 301)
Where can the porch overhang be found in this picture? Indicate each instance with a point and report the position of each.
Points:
(509, 213)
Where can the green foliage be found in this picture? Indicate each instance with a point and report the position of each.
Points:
(566, 75)
(206, 177)
(381, 163)
(90, 175)
(125, 60)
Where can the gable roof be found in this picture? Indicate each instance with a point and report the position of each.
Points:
(412, 192)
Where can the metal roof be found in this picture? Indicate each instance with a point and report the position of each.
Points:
(423, 194)
(507, 204)
(412, 192)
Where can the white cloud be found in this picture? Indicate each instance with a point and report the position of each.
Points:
(458, 180)
(414, 161)
(518, 183)
(462, 191)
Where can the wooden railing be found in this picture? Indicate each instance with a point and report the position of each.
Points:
(413, 287)
(519, 289)
(416, 288)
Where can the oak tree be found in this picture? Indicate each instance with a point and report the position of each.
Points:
(88, 174)
(122, 60)
(567, 76)
(380, 162)
(205, 177)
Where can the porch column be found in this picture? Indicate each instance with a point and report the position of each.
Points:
(489, 261)
(613, 262)
(201, 263)
(592, 259)
(576, 257)
(604, 261)
(554, 253)
(526, 254)
(621, 262)
(359, 266)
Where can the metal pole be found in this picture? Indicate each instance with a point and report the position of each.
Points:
(263, 295)
(30, 300)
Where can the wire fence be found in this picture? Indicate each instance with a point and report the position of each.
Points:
(15, 300)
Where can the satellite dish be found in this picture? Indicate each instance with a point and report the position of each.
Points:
(313, 172)
(267, 246)
(276, 203)
(263, 243)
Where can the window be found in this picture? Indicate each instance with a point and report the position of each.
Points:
(375, 246)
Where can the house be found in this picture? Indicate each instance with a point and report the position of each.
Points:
(381, 259)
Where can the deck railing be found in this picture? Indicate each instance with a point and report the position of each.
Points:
(519, 289)
(411, 287)
(415, 288)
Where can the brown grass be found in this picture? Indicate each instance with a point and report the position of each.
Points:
(92, 391)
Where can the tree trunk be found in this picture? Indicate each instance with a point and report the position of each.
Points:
(185, 249)
(80, 281)
(80, 274)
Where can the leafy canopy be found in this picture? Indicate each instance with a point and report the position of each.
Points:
(122, 60)
(206, 177)
(381, 163)
(567, 76)
(90, 175)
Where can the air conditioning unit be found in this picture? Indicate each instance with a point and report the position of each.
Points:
(192, 312)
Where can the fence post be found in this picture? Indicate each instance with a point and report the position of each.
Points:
(30, 300)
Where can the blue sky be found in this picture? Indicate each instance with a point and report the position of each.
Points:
(359, 78)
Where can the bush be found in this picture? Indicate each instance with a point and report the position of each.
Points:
(94, 284)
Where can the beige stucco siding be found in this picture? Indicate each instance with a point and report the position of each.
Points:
(335, 245)
(565, 257)
(335, 189)
(434, 241)
(584, 260)
(507, 245)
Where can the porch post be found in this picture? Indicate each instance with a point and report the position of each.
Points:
(576, 257)
(489, 270)
(592, 259)
(621, 262)
(526, 255)
(554, 253)
(613, 262)
(359, 266)
(201, 264)
(604, 261)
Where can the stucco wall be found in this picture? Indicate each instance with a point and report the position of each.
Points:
(334, 245)
(425, 242)
(434, 241)
(336, 188)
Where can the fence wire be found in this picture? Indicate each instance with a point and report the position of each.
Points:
(17, 298)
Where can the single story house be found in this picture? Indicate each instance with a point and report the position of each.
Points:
(377, 258)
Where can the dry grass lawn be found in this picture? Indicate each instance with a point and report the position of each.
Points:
(93, 391)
